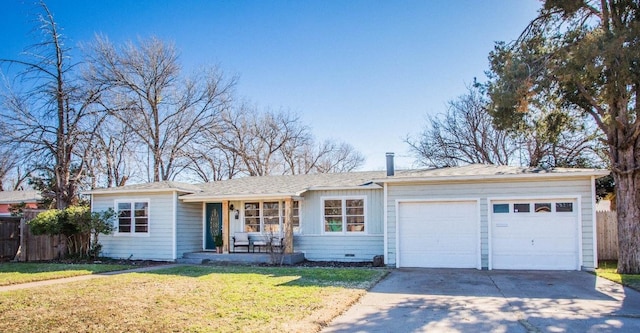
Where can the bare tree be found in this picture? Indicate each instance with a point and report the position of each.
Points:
(465, 134)
(147, 93)
(327, 156)
(51, 111)
(111, 158)
(257, 138)
(210, 163)
(12, 172)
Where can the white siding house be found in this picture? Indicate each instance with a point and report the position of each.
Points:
(476, 216)
(161, 229)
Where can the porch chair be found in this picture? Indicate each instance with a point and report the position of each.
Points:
(240, 239)
(259, 242)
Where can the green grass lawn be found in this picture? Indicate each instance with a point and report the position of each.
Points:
(13, 273)
(607, 270)
(191, 299)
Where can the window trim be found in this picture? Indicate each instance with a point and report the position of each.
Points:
(133, 233)
(343, 200)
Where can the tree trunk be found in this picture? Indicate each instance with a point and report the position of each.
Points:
(627, 180)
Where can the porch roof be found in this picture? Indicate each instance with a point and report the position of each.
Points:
(283, 186)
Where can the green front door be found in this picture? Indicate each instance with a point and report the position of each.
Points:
(213, 224)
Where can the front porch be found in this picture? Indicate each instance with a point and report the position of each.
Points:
(241, 258)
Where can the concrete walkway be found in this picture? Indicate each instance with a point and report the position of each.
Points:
(82, 277)
(461, 300)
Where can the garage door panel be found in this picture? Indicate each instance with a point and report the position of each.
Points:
(535, 240)
(438, 234)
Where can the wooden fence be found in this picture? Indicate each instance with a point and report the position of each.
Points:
(607, 235)
(9, 237)
(18, 243)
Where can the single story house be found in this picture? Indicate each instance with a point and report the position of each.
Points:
(8, 198)
(475, 216)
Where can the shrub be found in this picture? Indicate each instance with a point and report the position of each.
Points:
(78, 224)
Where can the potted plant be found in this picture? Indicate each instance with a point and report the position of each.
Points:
(218, 242)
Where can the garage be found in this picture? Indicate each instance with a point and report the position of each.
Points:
(438, 234)
(535, 234)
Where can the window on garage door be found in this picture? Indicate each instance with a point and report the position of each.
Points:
(538, 207)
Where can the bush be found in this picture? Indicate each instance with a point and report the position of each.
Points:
(78, 224)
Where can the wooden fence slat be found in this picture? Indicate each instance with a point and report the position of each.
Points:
(607, 235)
(9, 237)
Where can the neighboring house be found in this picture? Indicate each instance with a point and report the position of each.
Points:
(8, 198)
(476, 216)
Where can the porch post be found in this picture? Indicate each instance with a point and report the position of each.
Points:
(225, 226)
(288, 226)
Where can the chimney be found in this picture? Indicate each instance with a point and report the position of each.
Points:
(390, 170)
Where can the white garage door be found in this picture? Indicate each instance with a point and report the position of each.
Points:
(438, 234)
(534, 234)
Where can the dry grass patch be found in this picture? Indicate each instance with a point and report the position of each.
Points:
(191, 299)
(14, 273)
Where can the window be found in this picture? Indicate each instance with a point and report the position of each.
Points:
(133, 217)
(268, 217)
(521, 208)
(295, 222)
(333, 215)
(501, 208)
(271, 216)
(252, 217)
(564, 207)
(542, 207)
(342, 215)
(355, 215)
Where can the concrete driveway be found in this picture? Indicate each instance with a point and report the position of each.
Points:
(461, 300)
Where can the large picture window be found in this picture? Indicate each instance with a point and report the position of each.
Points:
(268, 217)
(133, 217)
(344, 215)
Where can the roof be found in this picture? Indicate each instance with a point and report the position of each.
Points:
(163, 186)
(13, 197)
(486, 172)
(273, 187)
(284, 185)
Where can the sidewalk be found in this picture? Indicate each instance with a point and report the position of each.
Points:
(83, 277)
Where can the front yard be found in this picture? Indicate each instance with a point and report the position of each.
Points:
(607, 270)
(13, 273)
(190, 299)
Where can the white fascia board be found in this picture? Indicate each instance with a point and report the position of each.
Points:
(343, 188)
(238, 197)
(529, 176)
(115, 191)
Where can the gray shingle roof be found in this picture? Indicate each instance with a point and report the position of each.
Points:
(480, 171)
(285, 185)
(294, 185)
(13, 197)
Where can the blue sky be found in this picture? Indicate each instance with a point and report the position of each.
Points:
(364, 72)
